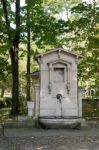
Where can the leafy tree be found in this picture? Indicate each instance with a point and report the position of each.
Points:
(43, 26)
(5, 69)
(79, 30)
(86, 39)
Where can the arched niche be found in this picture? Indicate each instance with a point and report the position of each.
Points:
(59, 73)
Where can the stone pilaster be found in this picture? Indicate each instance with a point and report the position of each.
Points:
(37, 102)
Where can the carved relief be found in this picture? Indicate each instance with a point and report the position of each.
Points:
(68, 87)
(50, 79)
(58, 75)
(50, 87)
(68, 79)
(59, 53)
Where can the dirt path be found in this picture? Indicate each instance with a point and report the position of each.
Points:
(39, 139)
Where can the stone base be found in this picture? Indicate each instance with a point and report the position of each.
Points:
(26, 123)
(60, 123)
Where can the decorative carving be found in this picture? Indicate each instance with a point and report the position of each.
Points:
(41, 59)
(59, 53)
(58, 75)
(76, 60)
(68, 80)
(50, 87)
(68, 87)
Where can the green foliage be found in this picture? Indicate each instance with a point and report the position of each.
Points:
(91, 110)
(8, 101)
(5, 68)
(5, 102)
(22, 104)
(5, 114)
(2, 103)
(78, 29)
(85, 29)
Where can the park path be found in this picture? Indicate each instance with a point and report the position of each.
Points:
(53, 139)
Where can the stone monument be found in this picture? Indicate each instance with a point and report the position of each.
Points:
(58, 99)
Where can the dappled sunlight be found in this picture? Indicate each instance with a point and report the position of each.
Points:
(82, 149)
(42, 147)
(5, 114)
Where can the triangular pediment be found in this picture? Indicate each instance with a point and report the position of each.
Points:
(59, 51)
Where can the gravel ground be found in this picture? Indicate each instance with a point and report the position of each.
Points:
(38, 139)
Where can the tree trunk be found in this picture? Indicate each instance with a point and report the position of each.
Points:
(14, 54)
(28, 55)
(15, 78)
(15, 64)
(2, 92)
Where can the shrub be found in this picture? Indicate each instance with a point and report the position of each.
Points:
(2, 103)
(90, 108)
(22, 104)
(8, 101)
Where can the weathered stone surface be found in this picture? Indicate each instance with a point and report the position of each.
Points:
(60, 123)
(58, 95)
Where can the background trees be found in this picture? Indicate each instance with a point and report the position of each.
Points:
(47, 24)
(86, 41)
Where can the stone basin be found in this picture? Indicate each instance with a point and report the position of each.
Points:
(74, 123)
